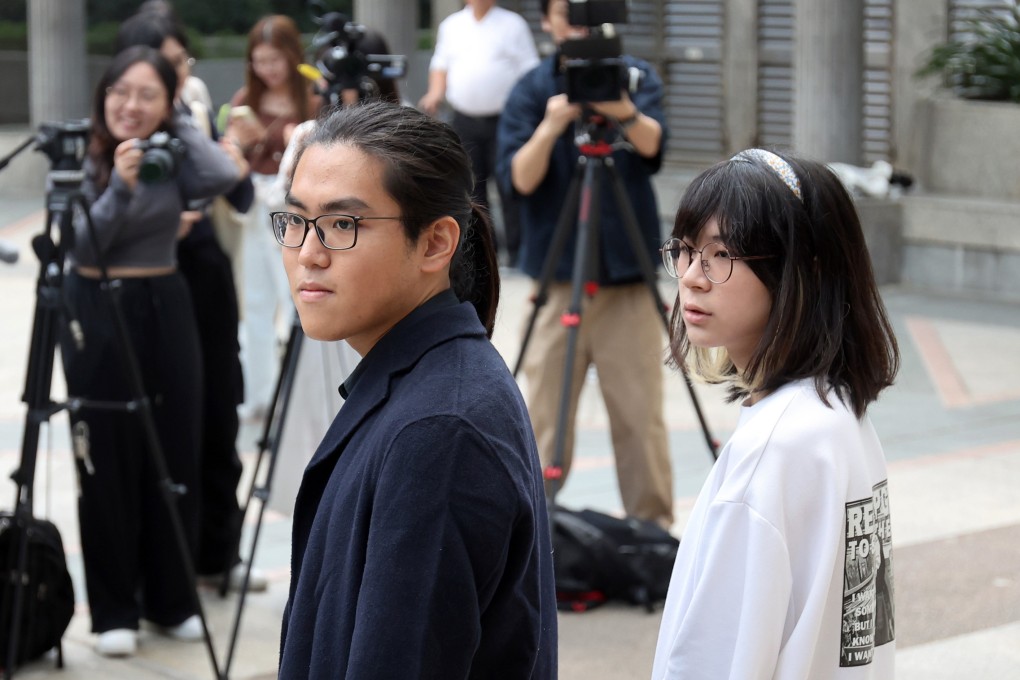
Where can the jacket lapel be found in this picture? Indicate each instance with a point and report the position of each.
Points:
(395, 354)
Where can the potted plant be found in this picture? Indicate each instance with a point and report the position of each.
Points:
(985, 64)
(970, 141)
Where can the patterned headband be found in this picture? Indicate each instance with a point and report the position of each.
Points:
(778, 165)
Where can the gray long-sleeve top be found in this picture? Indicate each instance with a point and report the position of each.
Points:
(139, 228)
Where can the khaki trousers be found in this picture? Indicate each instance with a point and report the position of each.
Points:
(622, 335)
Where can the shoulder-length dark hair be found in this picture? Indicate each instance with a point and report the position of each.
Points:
(281, 32)
(103, 143)
(428, 174)
(827, 320)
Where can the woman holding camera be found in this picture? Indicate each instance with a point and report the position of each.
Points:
(141, 170)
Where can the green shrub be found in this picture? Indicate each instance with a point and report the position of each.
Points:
(13, 36)
(100, 38)
(986, 64)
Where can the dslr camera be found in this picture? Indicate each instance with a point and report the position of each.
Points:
(344, 58)
(592, 65)
(161, 155)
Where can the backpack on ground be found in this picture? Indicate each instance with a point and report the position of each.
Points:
(47, 595)
(598, 557)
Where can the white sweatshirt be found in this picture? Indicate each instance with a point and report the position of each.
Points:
(785, 570)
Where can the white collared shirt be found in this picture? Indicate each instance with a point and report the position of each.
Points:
(483, 59)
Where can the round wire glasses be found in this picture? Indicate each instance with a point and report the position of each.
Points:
(716, 261)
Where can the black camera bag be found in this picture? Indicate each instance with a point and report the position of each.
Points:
(598, 557)
(47, 595)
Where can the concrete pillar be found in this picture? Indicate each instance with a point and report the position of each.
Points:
(57, 74)
(442, 9)
(740, 74)
(396, 19)
(828, 79)
(918, 25)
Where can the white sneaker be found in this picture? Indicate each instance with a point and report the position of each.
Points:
(117, 642)
(188, 630)
(257, 580)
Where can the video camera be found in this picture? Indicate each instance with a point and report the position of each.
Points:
(592, 65)
(343, 52)
(160, 158)
(64, 143)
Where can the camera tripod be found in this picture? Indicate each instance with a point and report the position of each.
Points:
(582, 208)
(268, 443)
(63, 198)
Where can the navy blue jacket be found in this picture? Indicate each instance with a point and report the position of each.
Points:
(421, 542)
(541, 210)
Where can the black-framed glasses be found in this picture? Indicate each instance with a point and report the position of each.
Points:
(716, 261)
(336, 232)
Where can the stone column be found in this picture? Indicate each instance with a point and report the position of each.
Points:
(397, 20)
(57, 73)
(828, 79)
(442, 9)
(919, 25)
(740, 74)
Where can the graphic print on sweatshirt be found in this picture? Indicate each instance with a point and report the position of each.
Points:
(868, 617)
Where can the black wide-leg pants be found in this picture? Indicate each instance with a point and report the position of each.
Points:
(210, 278)
(133, 563)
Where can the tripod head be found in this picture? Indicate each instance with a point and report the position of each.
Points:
(65, 144)
(598, 136)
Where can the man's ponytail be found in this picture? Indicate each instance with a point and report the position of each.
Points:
(474, 273)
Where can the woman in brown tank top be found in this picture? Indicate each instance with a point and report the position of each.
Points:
(275, 99)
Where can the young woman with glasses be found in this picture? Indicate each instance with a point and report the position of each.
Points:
(208, 271)
(421, 542)
(785, 567)
(133, 566)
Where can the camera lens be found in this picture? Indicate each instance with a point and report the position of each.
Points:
(157, 164)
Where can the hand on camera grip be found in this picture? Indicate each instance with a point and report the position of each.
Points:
(127, 158)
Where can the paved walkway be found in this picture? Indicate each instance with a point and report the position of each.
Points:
(951, 429)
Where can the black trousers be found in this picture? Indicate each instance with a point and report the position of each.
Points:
(210, 278)
(133, 564)
(478, 135)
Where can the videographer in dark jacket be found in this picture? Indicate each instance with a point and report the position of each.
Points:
(138, 185)
(621, 332)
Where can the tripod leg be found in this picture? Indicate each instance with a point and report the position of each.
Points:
(275, 420)
(648, 274)
(564, 227)
(291, 349)
(169, 489)
(38, 380)
(587, 236)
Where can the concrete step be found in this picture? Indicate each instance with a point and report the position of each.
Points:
(962, 244)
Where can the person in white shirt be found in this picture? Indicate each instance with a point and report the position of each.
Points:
(481, 52)
(785, 570)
